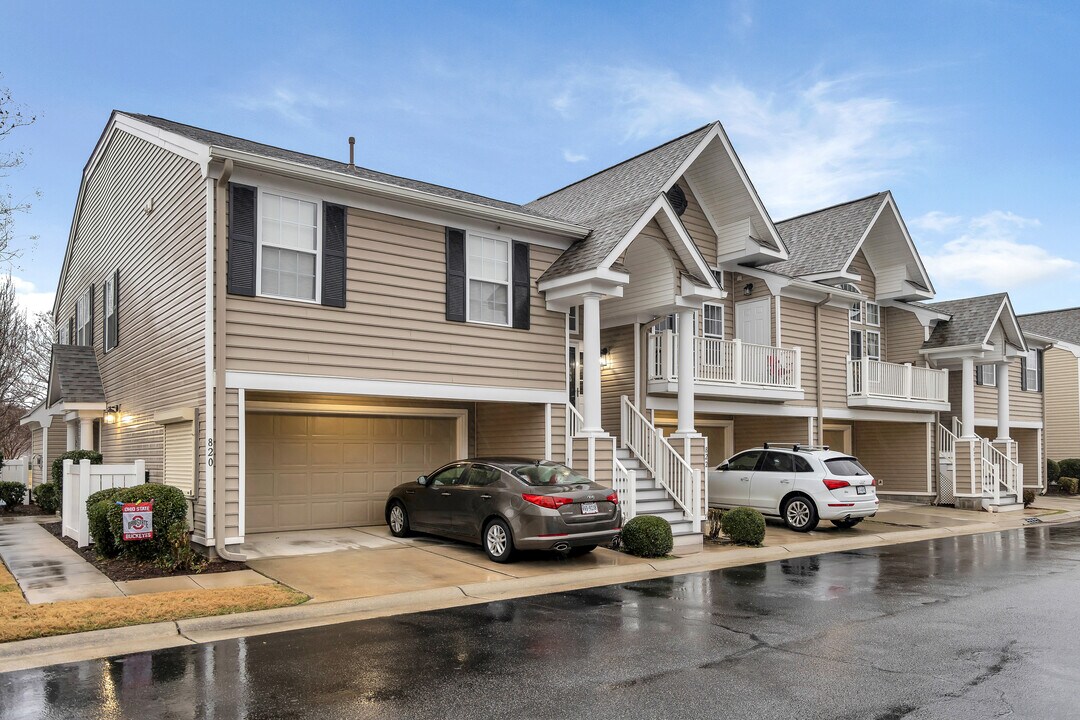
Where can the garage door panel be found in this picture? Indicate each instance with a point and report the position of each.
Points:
(334, 471)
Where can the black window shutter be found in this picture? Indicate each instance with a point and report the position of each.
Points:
(333, 256)
(455, 275)
(243, 221)
(1041, 384)
(90, 339)
(116, 310)
(1023, 372)
(979, 375)
(522, 286)
(71, 330)
(105, 316)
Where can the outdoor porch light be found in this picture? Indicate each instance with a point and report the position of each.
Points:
(748, 288)
(112, 414)
(605, 358)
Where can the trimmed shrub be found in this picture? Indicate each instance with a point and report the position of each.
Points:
(97, 514)
(58, 467)
(1029, 497)
(47, 496)
(1068, 485)
(647, 536)
(1069, 468)
(1053, 470)
(12, 493)
(170, 523)
(745, 526)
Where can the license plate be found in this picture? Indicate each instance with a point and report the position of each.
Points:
(589, 509)
(860, 489)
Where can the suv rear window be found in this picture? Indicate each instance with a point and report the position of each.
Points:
(548, 474)
(845, 467)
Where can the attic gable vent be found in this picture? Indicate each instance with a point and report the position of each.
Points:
(677, 198)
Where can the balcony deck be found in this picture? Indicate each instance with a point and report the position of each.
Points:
(877, 384)
(728, 368)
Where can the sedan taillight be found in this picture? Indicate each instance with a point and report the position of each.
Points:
(553, 502)
(835, 484)
(613, 498)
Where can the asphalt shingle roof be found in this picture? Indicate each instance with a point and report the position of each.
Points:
(612, 200)
(231, 142)
(1057, 324)
(75, 377)
(970, 323)
(823, 240)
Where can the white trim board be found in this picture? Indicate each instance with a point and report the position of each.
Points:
(388, 388)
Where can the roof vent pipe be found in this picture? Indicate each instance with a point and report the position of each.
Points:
(352, 153)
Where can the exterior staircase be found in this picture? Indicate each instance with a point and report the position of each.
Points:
(650, 498)
(998, 478)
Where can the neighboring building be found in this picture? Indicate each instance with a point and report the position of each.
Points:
(287, 337)
(1060, 375)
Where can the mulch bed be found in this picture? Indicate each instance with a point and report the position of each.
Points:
(118, 569)
(22, 511)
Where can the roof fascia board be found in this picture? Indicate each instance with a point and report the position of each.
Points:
(704, 210)
(688, 242)
(924, 315)
(866, 233)
(599, 274)
(958, 351)
(844, 276)
(911, 245)
(1019, 334)
(285, 167)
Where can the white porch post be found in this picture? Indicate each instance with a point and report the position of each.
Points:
(86, 433)
(1002, 375)
(590, 372)
(72, 435)
(687, 372)
(967, 404)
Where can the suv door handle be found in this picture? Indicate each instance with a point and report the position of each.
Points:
(485, 497)
(745, 479)
(446, 494)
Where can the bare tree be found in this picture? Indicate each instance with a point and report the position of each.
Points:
(14, 328)
(25, 349)
(12, 117)
(14, 436)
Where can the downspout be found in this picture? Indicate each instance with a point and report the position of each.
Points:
(220, 233)
(818, 363)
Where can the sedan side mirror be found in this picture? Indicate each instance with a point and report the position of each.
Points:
(723, 466)
(422, 480)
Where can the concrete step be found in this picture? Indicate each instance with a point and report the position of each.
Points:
(688, 542)
(651, 494)
(655, 507)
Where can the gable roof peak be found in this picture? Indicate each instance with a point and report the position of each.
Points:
(882, 194)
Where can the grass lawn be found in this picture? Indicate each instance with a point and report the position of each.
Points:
(20, 620)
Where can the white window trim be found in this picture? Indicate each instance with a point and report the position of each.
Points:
(88, 298)
(292, 195)
(866, 310)
(723, 319)
(62, 335)
(852, 317)
(1032, 366)
(866, 344)
(572, 320)
(509, 278)
(108, 299)
(862, 344)
(993, 371)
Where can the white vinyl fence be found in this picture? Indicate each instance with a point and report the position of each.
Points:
(83, 480)
(16, 470)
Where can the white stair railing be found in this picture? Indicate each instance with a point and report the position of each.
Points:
(624, 483)
(874, 378)
(727, 362)
(947, 452)
(999, 470)
(668, 467)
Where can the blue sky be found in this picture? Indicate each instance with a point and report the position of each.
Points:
(965, 110)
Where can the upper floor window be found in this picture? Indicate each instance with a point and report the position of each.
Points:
(62, 337)
(84, 318)
(488, 271)
(855, 314)
(873, 345)
(873, 314)
(986, 375)
(1031, 367)
(856, 345)
(712, 325)
(111, 326)
(573, 319)
(288, 247)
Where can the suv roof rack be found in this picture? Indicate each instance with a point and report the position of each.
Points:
(795, 447)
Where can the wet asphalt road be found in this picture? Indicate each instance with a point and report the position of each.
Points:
(977, 626)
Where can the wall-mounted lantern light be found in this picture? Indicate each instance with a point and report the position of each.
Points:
(112, 414)
(605, 359)
(748, 288)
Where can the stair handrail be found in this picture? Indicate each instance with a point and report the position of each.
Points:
(668, 467)
(1005, 469)
(946, 441)
(576, 420)
(624, 483)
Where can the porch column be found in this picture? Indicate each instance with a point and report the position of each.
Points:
(1002, 376)
(590, 372)
(687, 373)
(967, 404)
(86, 433)
(72, 435)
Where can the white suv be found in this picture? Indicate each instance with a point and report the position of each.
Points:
(799, 484)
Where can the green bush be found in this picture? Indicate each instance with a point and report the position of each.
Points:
(76, 455)
(97, 514)
(12, 493)
(1069, 468)
(1068, 485)
(170, 524)
(745, 526)
(647, 536)
(1053, 470)
(1029, 497)
(47, 496)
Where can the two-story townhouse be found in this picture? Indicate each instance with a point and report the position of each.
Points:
(1059, 375)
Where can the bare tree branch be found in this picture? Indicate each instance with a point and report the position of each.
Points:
(12, 117)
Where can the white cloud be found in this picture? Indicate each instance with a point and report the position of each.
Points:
(804, 147)
(30, 298)
(992, 254)
(936, 221)
(298, 107)
(573, 157)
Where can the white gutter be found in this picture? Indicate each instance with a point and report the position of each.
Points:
(397, 192)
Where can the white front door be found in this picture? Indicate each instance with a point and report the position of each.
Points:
(752, 321)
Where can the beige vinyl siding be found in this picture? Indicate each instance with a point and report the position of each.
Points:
(753, 430)
(868, 283)
(617, 379)
(57, 446)
(37, 446)
(394, 326)
(159, 362)
(558, 433)
(605, 453)
(1023, 404)
(1061, 382)
(906, 336)
(1027, 447)
(797, 330)
(835, 345)
(654, 274)
(894, 453)
(228, 465)
(697, 225)
(518, 430)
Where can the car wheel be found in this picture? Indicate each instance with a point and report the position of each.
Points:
(498, 544)
(398, 520)
(847, 522)
(580, 550)
(800, 514)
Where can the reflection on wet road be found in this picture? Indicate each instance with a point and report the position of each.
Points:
(966, 627)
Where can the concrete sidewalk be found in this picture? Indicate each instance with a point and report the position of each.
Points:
(46, 569)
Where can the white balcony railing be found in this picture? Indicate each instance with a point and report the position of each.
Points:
(727, 362)
(876, 379)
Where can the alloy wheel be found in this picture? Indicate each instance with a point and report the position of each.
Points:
(798, 513)
(496, 539)
(397, 518)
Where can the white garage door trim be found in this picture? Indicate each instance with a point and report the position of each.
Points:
(461, 415)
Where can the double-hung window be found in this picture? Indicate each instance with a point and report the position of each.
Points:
(855, 314)
(1030, 367)
(873, 345)
(288, 247)
(986, 375)
(62, 335)
(573, 320)
(856, 347)
(84, 319)
(111, 325)
(712, 324)
(489, 279)
(873, 314)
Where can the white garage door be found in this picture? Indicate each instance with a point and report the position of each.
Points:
(325, 471)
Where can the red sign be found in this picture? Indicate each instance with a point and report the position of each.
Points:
(138, 520)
